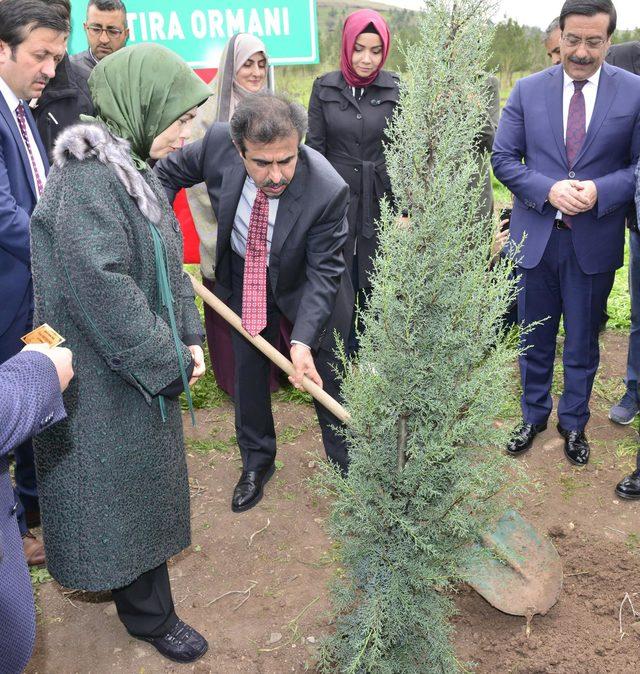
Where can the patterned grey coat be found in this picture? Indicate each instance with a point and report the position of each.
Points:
(112, 477)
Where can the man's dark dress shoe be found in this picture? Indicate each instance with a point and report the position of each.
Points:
(248, 491)
(181, 644)
(576, 447)
(629, 488)
(523, 436)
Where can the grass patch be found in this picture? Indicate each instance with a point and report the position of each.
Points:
(570, 485)
(289, 434)
(290, 394)
(39, 576)
(210, 444)
(632, 542)
(619, 304)
(627, 447)
(609, 389)
(557, 385)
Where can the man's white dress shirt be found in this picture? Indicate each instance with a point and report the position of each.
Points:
(589, 91)
(13, 101)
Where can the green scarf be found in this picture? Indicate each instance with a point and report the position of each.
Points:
(139, 91)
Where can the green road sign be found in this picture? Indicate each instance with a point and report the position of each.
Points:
(199, 29)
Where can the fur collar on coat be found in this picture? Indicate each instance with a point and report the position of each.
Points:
(83, 141)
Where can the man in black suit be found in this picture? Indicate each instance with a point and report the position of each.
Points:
(256, 171)
(627, 56)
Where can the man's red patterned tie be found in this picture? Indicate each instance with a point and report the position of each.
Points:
(22, 123)
(254, 286)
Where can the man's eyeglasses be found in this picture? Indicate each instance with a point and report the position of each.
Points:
(589, 43)
(98, 30)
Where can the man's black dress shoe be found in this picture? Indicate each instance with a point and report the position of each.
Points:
(523, 436)
(248, 491)
(181, 644)
(576, 447)
(629, 488)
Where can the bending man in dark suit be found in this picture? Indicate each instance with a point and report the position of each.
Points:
(281, 211)
(33, 39)
(567, 147)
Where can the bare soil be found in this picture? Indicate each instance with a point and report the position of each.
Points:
(255, 584)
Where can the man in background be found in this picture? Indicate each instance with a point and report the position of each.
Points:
(65, 97)
(627, 56)
(552, 41)
(33, 38)
(572, 169)
(106, 29)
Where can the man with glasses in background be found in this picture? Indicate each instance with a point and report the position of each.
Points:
(106, 29)
(567, 147)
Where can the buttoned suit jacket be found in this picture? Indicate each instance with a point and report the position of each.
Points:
(529, 156)
(307, 268)
(18, 197)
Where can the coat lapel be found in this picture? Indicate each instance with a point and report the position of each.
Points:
(554, 108)
(607, 90)
(13, 126)
(230, 191)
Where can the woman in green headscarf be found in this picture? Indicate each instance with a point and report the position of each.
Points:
(107, 268)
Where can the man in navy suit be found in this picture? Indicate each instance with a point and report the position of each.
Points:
(30, 401)
(32, 42)
(567, 147)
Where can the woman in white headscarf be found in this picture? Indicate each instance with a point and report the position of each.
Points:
(243, 70)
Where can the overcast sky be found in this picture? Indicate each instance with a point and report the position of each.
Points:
(540, 12)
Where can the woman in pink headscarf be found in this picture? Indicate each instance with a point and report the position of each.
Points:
(348, 114)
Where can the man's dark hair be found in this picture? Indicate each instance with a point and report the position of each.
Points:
(590, 8)
(18, 18)
(265, 117)
(108, 5)
(554, 25)
(63, 7)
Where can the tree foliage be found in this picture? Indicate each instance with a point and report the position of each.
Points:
(432, 358)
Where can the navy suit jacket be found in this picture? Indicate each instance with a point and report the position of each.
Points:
(18, 197)
(529, 156)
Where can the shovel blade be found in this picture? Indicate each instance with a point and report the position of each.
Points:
(524, 574)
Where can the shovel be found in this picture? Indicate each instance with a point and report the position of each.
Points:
(522, 576)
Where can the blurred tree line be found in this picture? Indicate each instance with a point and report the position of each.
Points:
(517, 49)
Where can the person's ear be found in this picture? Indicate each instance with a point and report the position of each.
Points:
(241, 150)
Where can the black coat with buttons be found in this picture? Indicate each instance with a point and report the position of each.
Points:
(349, 131)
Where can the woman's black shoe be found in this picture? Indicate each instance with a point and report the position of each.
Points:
(523, 437)
(629, 488)
(181, 644)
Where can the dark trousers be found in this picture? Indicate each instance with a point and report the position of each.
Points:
(558, 287)
(26, 490)
(255, 429)
(145, 607)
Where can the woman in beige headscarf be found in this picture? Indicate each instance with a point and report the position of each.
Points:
(243, 70)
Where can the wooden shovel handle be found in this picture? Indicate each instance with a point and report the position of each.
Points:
(269, 351)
